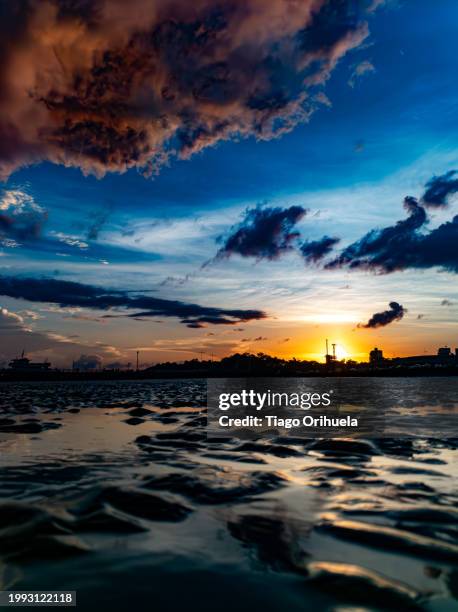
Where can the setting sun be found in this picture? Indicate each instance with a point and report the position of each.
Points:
(341, 352)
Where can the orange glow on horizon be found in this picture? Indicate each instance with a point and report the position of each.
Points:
(298, 340)
(314, 349)
(308, 342)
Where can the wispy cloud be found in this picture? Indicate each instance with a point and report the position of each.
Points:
(71, 240)
(364, 67)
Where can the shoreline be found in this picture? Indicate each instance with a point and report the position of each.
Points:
(58, 376)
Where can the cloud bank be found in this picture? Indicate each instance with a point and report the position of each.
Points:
(109, 85)
(404, 245)
(72, 294)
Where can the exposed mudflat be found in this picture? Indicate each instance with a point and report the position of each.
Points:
(113, 489)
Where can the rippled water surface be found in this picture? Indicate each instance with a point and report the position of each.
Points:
(113, 489)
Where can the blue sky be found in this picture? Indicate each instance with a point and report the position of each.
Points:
(383, 136)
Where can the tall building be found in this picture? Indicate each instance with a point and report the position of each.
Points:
(376, 356)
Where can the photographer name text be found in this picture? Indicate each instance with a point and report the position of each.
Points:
(287, 423)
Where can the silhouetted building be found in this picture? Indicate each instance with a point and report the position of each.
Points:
(416, 360)
(22, 364)
(376, 356)
(443, 357)
(444, 353)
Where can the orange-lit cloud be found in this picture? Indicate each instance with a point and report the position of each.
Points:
(108, 85)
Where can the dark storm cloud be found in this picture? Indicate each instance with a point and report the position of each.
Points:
(315, 250)
(108, 85)
(380, 319)
(264, 233)
(404, 245)
(72, 294)
(439, 188)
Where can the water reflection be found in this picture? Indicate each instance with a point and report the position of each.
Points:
(117, 484)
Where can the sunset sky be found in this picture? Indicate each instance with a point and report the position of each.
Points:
(180, 167)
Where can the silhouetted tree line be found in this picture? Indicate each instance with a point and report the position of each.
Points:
(248, 364)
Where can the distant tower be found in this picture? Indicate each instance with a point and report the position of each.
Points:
(138, 352)
(330, 359)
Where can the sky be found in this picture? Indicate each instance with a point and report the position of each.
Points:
(194, 181)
